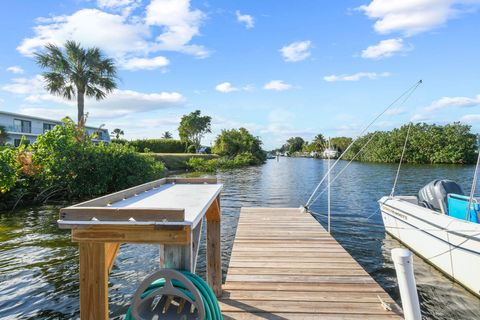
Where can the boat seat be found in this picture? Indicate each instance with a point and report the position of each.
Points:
(457, 207)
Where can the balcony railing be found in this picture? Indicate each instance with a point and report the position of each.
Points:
(18, 129)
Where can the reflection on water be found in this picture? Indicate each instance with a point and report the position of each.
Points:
(39, 264)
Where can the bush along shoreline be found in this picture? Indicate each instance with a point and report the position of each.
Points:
(452, 143)
(427, 144)
(236, 148)
(64, 164)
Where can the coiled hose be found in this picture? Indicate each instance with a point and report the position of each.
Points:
(212, 309)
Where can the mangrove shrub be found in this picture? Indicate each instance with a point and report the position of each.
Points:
(427, 143)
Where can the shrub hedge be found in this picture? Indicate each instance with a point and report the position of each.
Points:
(212, 165)
(64, 164)
(176, 161)
(156, 145)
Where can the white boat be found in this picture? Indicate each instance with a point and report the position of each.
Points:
(436, 227)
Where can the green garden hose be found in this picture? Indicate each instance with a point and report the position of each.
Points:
(212, 309)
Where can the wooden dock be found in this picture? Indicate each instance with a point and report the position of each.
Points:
(285, 265)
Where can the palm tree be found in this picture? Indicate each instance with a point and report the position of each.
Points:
(77, 72)
(167, 135)
(117, 133)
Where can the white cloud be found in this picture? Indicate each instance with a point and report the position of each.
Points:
(448, 102)
(169, 25)
(384, 49)
(164, 121)
(15, 69)
(280, 127)
(50, 113)
(91, 27)
(25, 85)
(445, 103)
(296, 51)
(114, 3)
(117, 103)
(126, 7)
(356, 76)
(471, 118)
(419, 117)
(179, 23)
(414, 16)
(145, 63)
(225, 87)
(277, 85)
(395, 111)
(246, 19)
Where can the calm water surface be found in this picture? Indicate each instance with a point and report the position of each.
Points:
(39, 264)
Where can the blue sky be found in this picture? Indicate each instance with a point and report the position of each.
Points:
(278, 68)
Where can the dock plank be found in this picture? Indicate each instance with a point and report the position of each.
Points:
(285, 265)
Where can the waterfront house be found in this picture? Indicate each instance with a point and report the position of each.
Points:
(19, 125)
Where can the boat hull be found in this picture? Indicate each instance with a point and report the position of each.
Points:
(451, 245)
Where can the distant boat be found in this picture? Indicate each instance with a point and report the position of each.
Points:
(330, 153)
(438, 227)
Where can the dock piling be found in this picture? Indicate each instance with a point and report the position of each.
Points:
(402, 258)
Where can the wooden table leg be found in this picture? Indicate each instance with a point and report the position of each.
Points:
(214, 249)
(94, 266)
(177, 257)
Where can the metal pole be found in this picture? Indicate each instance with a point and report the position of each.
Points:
(474, 182)
(328, 185)
(402, 259)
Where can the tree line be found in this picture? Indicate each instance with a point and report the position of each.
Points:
(318, 144)
(453, 143)
(427, 143)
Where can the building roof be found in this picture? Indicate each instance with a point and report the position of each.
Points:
(42, 119)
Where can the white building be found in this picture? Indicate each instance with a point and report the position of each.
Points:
(19, 125)
(330, 153)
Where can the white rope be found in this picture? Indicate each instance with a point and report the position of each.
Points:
(401, 160)
(343, 169)
(378, 225)
(409, 90)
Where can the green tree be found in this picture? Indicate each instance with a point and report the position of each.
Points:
(231, 143)
(3, 135)
(117, 133)
(76, 71)
(340, 143)
(9, 170)
(167, 135)
(193, 127)
(318, 143)
(294, 144)
(427, 143)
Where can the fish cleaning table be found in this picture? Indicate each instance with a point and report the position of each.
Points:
(168, 212)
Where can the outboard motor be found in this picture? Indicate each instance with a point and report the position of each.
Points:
(434, 195)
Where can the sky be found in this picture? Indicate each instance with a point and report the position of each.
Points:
(278, 68)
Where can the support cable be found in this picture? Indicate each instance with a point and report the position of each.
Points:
(409, 91)
(474, 185)
(401, 160)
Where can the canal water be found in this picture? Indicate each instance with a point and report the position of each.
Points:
(39, 264)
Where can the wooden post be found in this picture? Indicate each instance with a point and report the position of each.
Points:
(94, 266)
(111, 254)
(175, 257)
(214, 250)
